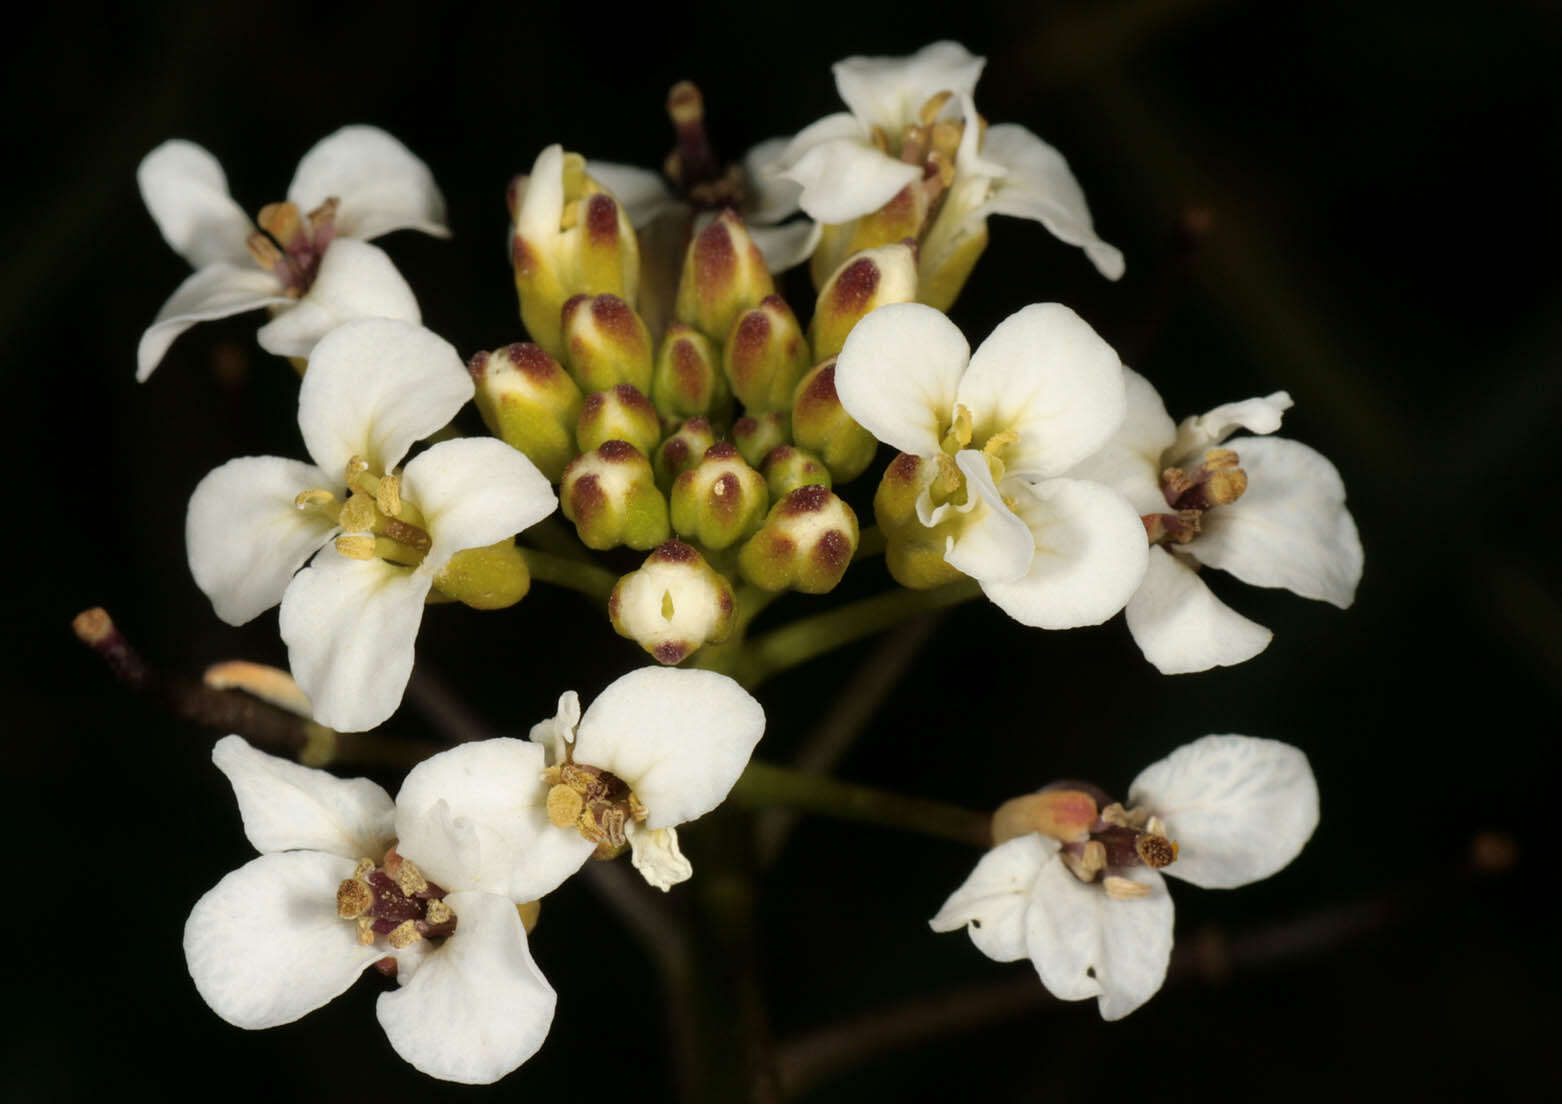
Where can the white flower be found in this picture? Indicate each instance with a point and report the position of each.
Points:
(1220, 812)
(907, 111)
(657, 748)
(373, 388)
(1039, 395)
(1278, 520)
(768, 202)
(312, 268)
(290, 930)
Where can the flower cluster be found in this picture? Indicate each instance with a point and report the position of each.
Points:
(682, 416)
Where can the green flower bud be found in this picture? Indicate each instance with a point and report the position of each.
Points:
(687, 379)
(720, 501)
(821, 425)
(866, 281)
(682, 451)
(622, 414)
(765, 355)
(903, 218)
(530, 403)
(611, 496)
(756, 436)
(569, 237)
(806, 543)
(486, 578)
(913, 552)
(606, 343)
(786, 468)
(724, 275)
(673, 604)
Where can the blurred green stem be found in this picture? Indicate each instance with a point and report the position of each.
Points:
(594, 582)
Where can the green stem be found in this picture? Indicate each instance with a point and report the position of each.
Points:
(594, 582)
(804, 639)
(870, 542)
(766, 786)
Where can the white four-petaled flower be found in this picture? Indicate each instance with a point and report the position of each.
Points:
(268, 943)
(1038, 396)
(1238, 809)
(373, 388)
(1288, 526)
(676, 740)
(850, 164)
(323, 275)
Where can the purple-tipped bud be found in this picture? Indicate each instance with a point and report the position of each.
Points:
(787, 468)
(821, 425)
(529, 402)
(610, 494)
(755, 435)
(806, 543)
(686, 381)
(765, 355)
(682, 451)
(865, 282)
(606, 343)
(721, 500)
(673, 604)
(621, 414)
(724, 274)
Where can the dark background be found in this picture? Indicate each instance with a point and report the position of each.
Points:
(1381, 241)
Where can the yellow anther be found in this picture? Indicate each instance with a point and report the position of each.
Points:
(387, 496)
(564, 805)
(409, 879)
(439, 913)
(530, 911)
(364, 868)
(928, 114)
(366, 931)
(311, 500)
(1216, 459)
(266, 683)
(263, 250)
(324, 213)
(574, 177)
(959, 433)
(944, 138)
(1086, 864)
(1124, 889)
(355, 467)
(280, 220)
(1155, 851)
(353, 899)
(1226, 486)
(356, 546)
(404, 934)
(880, 139)
(357, 515)
(1000, 441)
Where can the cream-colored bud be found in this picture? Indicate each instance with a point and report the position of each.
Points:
(673, 604)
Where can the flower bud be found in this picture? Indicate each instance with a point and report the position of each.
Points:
(787, 468)
(755, 435)
(622, 414)
(765, 355)
(486, 578)
(806, 543)
(821, 425)
(682, 451)
(903, 218)
(673, 604)
(611, 496)
(866, 281)
(913, 552)
(569, 237)
(721, 500)
(606, 343)
(1066, 814)
(949, 253)
(687, 379)
(530, 403)
(724, 275)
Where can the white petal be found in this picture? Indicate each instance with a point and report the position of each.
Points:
(186, 193)
(847, 177)
(786, 246)
(1038, 185)
(288, 807)
(381, 185)
(1084, 943)
(994, 544)
(475, 492)
(264, 946)
(1181, 626)
(478, 1006)
(475, 817)
(679, 738)
(1090, 555)
(558, 731)
(655, 854)
(889, 91)
(991, 903)
(245, 537)
(356, 280)
(1130, 462)
(641, 193)
(1204, 431)
(1045, 375)
(540, 205)
(1289, 529)
(772, 197)
(842, 126)
(373, 388)
(1240, 808)
(349, 626)
(898, 373)
(219, 290)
